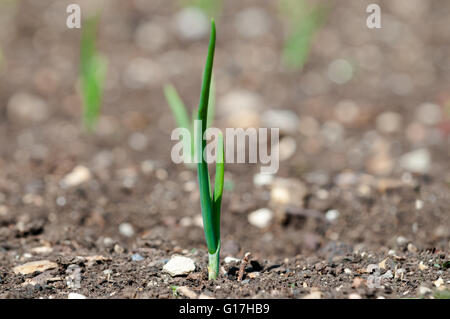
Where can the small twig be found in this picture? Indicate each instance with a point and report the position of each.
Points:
(244, 263)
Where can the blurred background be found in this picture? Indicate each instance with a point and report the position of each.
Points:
(364, 116)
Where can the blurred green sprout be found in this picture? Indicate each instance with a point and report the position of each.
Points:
(211, 8)
(304, 20)
(210, 200)
(184, 120)
(93, 68)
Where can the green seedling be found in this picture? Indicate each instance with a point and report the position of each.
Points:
(182, 118)
(210, 200)
(174, 291)
(92, 73)
(304, 20)
(210, 7)
(444, 294)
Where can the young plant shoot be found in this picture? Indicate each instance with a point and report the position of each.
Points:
(210, 201)
(304, 21)
(92, 73)
(210, 7)
(183, 119)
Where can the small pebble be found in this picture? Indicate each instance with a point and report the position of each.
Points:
(418, 161)
(401, 241)
(389, 122)
(387, 275)
(74, 295)
(126, 229)
(412, 248)
(42, 250)
(118, 249)
(438, 283)
(138, 141)
(419, 204)
(262, 179)
(186, 292)
(34, 266)
(79, 175)
(340, 71)
(332, 215)
(260, 218)
(313, 295)
(137, 257)
(422, 266)
(424, 290)
(229, 260)
(179, 265)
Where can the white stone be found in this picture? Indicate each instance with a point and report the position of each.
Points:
(260, 218)
(42, 250)
(424, 290)
(287, 191)
(418, 161)
(34, 266)
(186, 221)
(179, 265)
(354, 296)
(438, 282)
(198, 220)
(74, 295)
(286, 120)
(26, 108)
(401, 241)
(79, 175)
(138, 141)
(262, 179)
(315, 294)
(185, 291)
(419, 204)
(126, 229)
(389, 122)
(332, 215)
(229, 260)
(192, 23)
(340, 71)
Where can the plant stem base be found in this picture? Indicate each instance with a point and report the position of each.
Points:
(213, 264)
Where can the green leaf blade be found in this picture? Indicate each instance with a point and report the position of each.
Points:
(203, 173)
(177, 106)
(218, 185)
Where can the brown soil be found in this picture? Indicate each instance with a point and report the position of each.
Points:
(300, 255)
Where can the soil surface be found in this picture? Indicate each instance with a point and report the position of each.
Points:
(358, 209)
